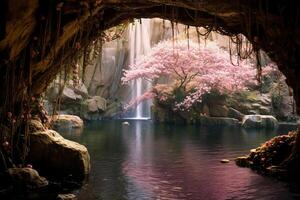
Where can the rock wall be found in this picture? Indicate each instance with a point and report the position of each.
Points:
(45, 32)
(40, 38)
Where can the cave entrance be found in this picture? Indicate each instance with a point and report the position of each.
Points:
(112, 79)
(40, 39)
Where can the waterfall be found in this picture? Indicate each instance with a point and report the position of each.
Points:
(140, 44)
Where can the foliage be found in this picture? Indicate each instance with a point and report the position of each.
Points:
(194, 70)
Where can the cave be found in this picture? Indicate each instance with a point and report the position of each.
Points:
(39, 39)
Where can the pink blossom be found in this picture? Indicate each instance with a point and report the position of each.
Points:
(197, 70)
(135, 102)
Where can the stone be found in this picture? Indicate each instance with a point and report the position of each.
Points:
(66, 197)
(53, 155)
(125, 124)
(259, 121)
(253, 150)
(218, 110)
(26, 178)
(224, 161)
(67, 121)
(233, 113)
(218, 121)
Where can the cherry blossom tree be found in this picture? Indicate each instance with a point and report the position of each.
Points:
(194, 70)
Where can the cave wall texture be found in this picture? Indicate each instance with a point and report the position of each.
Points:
(39, 38)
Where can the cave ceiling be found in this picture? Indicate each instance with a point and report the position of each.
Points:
(39, 36)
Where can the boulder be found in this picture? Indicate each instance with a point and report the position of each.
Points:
(259, 121)
(218, 121)
(92, 105)
(67, 121)
(233, 113)
(53, 155)
(242, 161)
(218, 110)
(26, 178)
(80, 89)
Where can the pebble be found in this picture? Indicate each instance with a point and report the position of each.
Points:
(224, 161)
(125, 124)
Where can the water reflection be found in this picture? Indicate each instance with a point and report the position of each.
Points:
(146, 161)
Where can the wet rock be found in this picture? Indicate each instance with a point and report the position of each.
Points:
(66, 197)
(270, 156)
(242, 161)
(67, 121)
(259, 121)
(26, 178)
(53, 155)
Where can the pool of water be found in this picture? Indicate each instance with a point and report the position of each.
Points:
(147, 161)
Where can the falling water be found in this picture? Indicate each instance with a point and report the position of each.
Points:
(139, 40)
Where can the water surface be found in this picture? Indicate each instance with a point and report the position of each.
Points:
(147, 161)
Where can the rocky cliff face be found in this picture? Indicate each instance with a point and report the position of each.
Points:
(38, 37)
